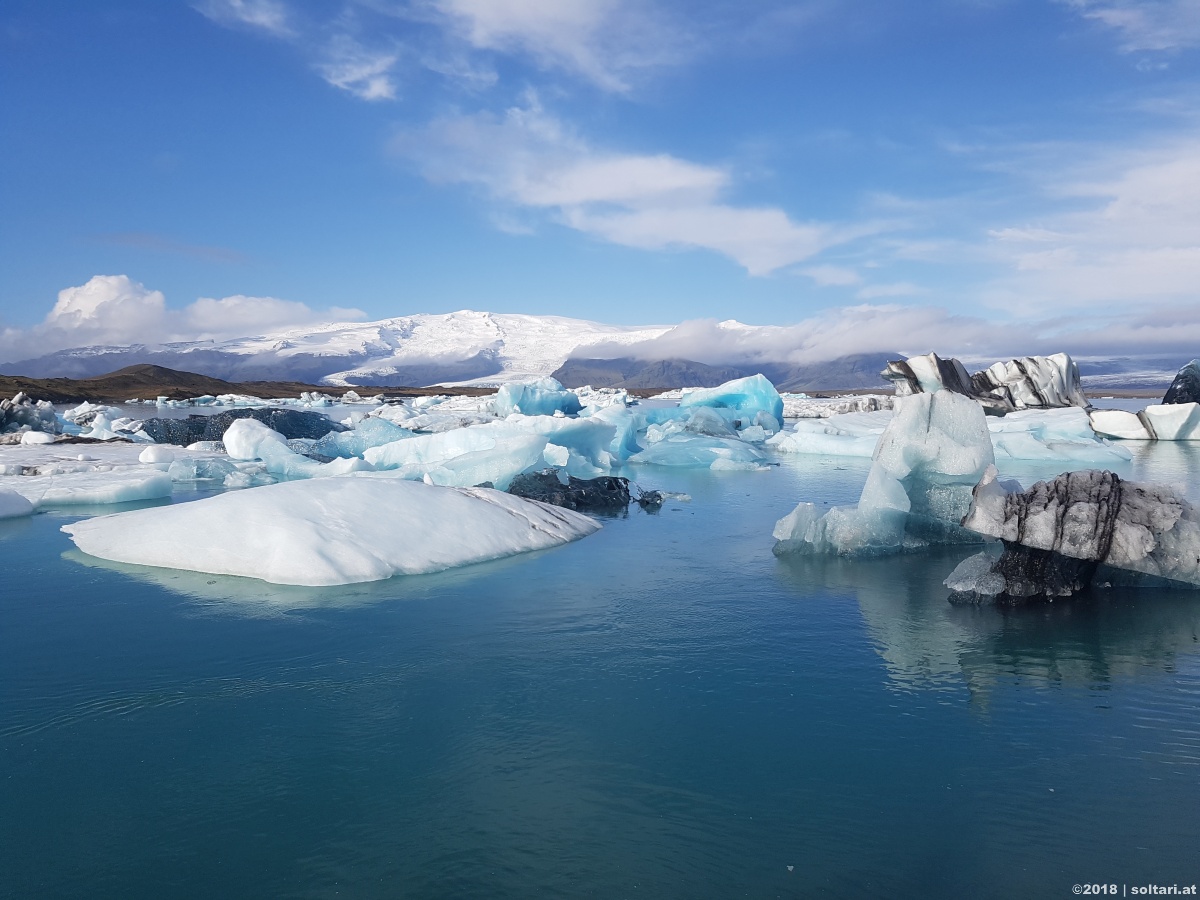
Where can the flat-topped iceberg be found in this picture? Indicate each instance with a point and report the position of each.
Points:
(331, 531)
(934, 450)
(89, 488)
(1163, 422)
(1062, 535)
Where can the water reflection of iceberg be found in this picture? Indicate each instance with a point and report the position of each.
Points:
(230, 594)
(926, 643)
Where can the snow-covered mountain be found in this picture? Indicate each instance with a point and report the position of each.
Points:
(458, 347)
(491, 348)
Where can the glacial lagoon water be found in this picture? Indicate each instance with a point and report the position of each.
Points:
(663, 709)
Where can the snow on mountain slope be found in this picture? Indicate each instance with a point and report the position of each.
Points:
(460, 347)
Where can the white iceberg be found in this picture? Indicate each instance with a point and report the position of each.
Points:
(95, 487)
(13, 505)
(1064, 434)
(332, 531)
(495, 452)
(933, 452)
(249, 439)
(1161, 422)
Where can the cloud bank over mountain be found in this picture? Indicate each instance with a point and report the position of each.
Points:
(112, 321)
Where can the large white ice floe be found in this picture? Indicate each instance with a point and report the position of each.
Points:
(1162, 422)
(933, 451)
(331, 531)
(1061, 535)
(124, 485)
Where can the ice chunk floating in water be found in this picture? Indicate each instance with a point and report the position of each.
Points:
(927, 460)
(1059, 534)
(331, 531)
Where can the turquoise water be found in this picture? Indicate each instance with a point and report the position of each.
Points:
(661, 710)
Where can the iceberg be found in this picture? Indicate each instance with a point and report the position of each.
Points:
(1034, 434)
(332, 531)
(699, 452)
(849, 434)
(90, 488)
(292, 423)
(1064, 434)
(543, 397)
(931, 455)
(372, 431)
(1031, 382)
(1186, 386)
(745, 395)
(249, 439)
(1165, 422)
(1061, 536)
(23, 414)
(493, 453)
(13, 505)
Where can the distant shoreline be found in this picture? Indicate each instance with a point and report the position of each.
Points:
(147, 382)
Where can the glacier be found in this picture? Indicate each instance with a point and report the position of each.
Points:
(333, 531)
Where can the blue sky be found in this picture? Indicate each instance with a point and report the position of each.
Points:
(966, 164)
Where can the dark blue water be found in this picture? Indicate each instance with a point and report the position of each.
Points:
(661, 710)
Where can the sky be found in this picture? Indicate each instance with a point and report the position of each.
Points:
(175, 170)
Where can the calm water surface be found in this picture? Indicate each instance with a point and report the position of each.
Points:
(661, 710)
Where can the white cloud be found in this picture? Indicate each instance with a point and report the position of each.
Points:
(239, 315)
(270, 16)
(604, 41)
(114, 310)
(1129, 232)
(365, 73)
(1147, 25)
(109, 309)
(530, 159)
